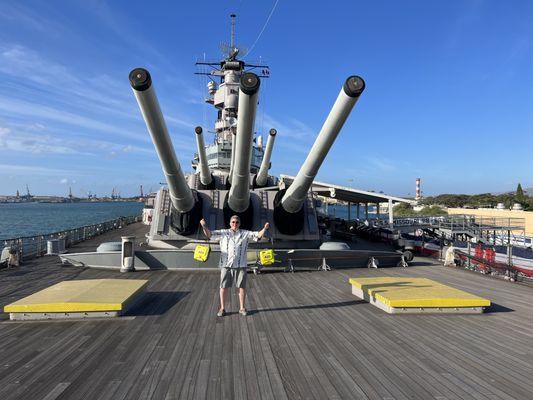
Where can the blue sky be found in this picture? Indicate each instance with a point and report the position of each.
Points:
(449, 94)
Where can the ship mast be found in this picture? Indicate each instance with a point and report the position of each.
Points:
(232, 16)
(223, 93)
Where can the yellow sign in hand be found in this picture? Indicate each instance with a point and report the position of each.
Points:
(266, 257)
(201, 252)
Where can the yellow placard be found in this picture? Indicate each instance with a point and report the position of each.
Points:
(201, 252)
(266, 257)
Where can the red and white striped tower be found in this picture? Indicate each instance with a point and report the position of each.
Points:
(418, 194)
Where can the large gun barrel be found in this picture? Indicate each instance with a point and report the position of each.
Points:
(180, 193)
(239, 194)
(294, 197)
(205, 175)
(183, 200)
(262, 176)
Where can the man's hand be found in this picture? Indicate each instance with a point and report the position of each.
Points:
(206, 230)
(267, 225)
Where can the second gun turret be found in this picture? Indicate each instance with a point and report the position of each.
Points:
(261, 179)
(206, 179)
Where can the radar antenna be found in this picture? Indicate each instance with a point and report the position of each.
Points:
(230, 51)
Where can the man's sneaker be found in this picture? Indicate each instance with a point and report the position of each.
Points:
(221, 313)
(243, 312)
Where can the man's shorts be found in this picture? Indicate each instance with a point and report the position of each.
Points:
(229, 276)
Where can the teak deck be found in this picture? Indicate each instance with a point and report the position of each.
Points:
(306, 337)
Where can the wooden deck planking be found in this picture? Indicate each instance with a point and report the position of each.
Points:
(343, 338)
(306, 322)
(306, 337)
(355, 361)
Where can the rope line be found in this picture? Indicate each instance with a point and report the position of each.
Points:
(264, 27)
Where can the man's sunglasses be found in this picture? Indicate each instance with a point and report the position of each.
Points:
(234, 222)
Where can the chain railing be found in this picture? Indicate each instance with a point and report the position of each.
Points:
(35, 246)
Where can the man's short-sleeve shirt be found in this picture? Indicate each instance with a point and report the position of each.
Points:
(233, 246)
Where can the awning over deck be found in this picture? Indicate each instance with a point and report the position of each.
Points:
(347, 194)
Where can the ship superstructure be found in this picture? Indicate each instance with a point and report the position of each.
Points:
(231, 177)
(231, 174)
(223, 93)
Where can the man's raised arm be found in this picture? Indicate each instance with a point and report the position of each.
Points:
(262, 231)
(206, 230)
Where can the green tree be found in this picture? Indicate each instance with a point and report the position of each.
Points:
(432, 211)
(520, 197)
(519, 191)
(403, 210)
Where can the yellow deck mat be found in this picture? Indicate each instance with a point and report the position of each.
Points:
(80, 296)
(416, 292)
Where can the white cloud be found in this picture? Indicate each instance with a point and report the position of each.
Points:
(179, 122)
(293, 134)
(34, 170)
(29, 143)
(63, 181)
(10, 106)
(23, 17)
(289, 128)
(23, 138)
(382, 164)
(37, 127)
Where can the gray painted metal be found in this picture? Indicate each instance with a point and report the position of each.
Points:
(180, 193)
(163, 236)
(38, 316)
(232, 162)
(296, 194)
(205, 174)
(127, 254)
(183, 259)
(239, 195)
(262, 175)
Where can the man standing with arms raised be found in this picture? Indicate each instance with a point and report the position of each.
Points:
(233, 247)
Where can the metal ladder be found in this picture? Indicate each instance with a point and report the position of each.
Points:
(213, 212)
(263, 212)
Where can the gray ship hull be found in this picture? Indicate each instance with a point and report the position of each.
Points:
(285, 259)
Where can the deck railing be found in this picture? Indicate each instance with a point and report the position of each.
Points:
(35, 246)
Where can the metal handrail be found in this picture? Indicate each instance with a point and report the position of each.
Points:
(457, 222)
(36, 246)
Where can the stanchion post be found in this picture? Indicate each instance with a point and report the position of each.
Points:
(128, 254)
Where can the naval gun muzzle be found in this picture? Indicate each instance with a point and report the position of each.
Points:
(288, 204)
(186, 204)
(206, 179)
(261, 179)
(238, 199)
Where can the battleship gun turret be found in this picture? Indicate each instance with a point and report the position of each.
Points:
(288, 204)
(186, 204)
(238, 199)
(231, 176)
(206, 179)
(261, 179)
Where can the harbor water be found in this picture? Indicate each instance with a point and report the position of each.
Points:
(31, 219)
